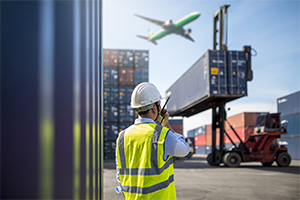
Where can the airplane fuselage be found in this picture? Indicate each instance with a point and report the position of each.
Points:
(172, 28)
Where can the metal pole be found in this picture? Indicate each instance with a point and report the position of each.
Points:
(214, 128)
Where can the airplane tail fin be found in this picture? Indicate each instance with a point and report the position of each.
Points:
(146, 38)
(150, 33)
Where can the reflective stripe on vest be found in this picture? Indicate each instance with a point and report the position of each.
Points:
(154, 170)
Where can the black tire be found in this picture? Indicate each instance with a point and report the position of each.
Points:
(209, 159)
(233, 159)
(224, 158)
(283, 159)
(267, 164)
(189, 156)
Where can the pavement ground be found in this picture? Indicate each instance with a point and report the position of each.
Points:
(196, 179)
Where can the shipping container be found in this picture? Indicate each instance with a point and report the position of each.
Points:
(200, 130)
(175, 121)
(289, 105)
(293, 125)
(126, 58)
(237, 69)
(191, 133)
(114, 110)
(204, 85)
(114, 94)
(208, 129)
(122, 95)
(106, 57)
(140, 75)
(243, 133)
(106, 76)
(293, 146)
(114, 127)
(178, 128)
(129, 90)
(106, 113)
(140, 58)
(126, 76)
(122, 113)
(114, 56)
(107, 131)
(130, 114)
(209, 138)
(200, 149)
(241, 120)
(200, 140)
(110, 76)
(106, 95)
(110, 57)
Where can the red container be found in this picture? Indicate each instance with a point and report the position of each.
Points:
(209, 139)
(178, 128)
(241, 120)
(126, 76)
(200, 140)
(110, 58)
(208, 130)
(243, 133)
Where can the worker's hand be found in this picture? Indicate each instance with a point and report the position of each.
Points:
(165, 122)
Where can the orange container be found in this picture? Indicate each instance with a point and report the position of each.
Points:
(241, 120)
(243, 133)
(200, 140)
(178, 128)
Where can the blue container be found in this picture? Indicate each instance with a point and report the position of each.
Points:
(200, 130)
(237, 69)
(289, 105)
(122, 113)
(175, 121)
(114, 76)
(293, 126)
(106, 113)
(114, 110)
(107, 131)
(191, 133)
(130, 114)
(106, 95)
(140, 75)
(114, 94)
(114, 130)
(106, 76)
(202, 85)
(129, 90)
(201, 149)
(126, 58)
(141, 58)
(122, 95)
(293, 146)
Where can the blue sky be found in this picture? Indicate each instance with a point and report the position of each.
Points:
(270, 27)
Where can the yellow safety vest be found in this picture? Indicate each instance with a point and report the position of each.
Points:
(144, 174)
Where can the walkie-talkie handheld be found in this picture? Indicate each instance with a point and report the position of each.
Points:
(162, 113)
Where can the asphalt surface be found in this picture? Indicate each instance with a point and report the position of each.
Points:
(195, 179)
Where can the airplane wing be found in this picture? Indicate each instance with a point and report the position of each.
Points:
(157, 22)
(146, 38)
(187, 36)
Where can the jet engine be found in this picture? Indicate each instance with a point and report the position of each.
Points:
(188, 31)
(167, 24)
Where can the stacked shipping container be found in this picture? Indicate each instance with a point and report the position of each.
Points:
(243, 124)
(289, 107)
(123, 70)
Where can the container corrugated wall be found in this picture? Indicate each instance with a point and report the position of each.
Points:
(216, 75)
(123, 70)
(51, 86)
(289, 107)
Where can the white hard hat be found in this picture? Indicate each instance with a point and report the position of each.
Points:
(143, 95)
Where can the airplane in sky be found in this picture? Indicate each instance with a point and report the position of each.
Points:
(170, 27)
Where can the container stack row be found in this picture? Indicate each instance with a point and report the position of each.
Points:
(123, 70)
(289, 107)
(243, 123)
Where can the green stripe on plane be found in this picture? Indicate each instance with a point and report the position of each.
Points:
(170, 27)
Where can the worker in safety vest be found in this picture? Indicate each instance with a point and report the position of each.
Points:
(145, 150)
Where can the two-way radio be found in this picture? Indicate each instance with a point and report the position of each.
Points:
(162, 113)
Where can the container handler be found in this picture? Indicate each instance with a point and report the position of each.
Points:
(261, 146)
